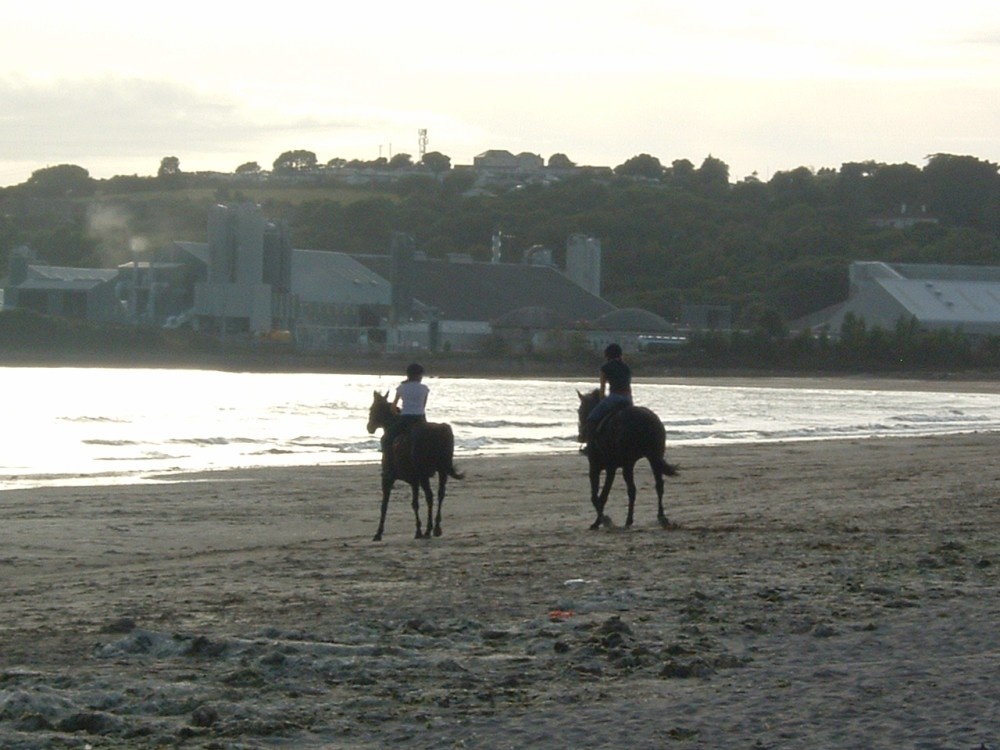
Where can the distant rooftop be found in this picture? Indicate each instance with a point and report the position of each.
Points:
(486, 291)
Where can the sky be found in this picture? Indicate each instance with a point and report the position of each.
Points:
(767, 87)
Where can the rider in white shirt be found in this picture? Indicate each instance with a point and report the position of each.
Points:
(413, 395)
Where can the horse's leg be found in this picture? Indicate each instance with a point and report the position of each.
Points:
(609, 478)
(425, 484)
(387, 482)
(595, 480)
(658, 478)
(415, 488)
(628, 473)
(442, 481)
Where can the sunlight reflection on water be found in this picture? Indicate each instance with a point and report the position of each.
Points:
(84, 425)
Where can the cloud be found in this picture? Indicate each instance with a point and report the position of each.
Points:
(121, 121)
(87, 118)
(762, 87)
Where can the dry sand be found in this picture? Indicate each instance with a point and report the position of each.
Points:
(812, 595)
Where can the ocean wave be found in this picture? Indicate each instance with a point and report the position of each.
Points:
(332, 443)
(524, 440)
(316, 445)
(493, 424)
(217, 441)
(51, 478)
(94, 420)
(359, 448)
(152, 456)
(950, 417)
(311, 449)
(696, 422)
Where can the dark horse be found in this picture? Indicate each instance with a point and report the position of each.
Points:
(417, 455)
(621, 439)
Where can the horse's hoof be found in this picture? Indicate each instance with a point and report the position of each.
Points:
(377, 538)
(437, 532)
(607, 522)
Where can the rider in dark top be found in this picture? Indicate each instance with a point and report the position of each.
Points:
(616, 389)
(617, 378)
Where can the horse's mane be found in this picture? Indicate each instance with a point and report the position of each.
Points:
(389, 406)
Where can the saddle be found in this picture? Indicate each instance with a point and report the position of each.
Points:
(401, 447)
(396, 456)
(603, 421)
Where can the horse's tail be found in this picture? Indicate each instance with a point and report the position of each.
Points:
(450, 453)
(667, 469)
(452, 471)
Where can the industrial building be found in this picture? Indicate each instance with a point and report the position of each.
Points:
(247, 281)
(957, 298)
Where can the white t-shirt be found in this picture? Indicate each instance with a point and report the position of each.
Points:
(413, 395)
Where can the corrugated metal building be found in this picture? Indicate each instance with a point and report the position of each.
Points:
(339, 300)
(453, 303)
(964, 298)
(81, 293)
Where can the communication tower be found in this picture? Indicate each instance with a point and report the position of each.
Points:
(422, 142)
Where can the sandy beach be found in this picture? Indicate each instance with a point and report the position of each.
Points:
(809, 595)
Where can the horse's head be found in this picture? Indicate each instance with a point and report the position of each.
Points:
(380, 412)
(587, 403)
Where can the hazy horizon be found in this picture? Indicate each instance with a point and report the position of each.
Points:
(115, 87)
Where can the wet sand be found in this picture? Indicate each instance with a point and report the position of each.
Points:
(835, 594)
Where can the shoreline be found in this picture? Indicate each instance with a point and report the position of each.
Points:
(510, 461)
(835, 382)
(584, 368)
(971, 382)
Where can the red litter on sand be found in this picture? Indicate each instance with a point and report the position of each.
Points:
(560, 615)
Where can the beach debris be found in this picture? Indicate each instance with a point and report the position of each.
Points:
(204, 716)
(120, 625)
(824, 630)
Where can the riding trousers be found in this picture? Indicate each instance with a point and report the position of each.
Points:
(401, 425)
(608, 404)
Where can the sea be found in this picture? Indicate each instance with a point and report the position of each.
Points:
(73, 426)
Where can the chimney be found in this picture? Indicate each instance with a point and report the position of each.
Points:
(401, 253)
(17, 265)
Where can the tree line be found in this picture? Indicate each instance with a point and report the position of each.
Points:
(672, 234)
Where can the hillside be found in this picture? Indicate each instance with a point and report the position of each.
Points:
(771, 250)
